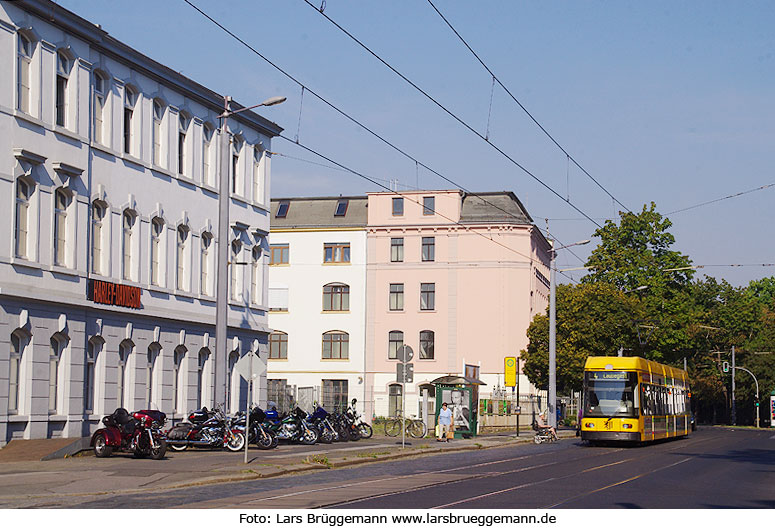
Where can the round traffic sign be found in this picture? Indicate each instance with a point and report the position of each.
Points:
(405, 353)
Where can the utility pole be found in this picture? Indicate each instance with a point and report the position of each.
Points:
(734, 406)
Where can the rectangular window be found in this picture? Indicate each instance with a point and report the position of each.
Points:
(278, 345)
(23, 74)
(258, 175)
(395, 341)
(428, 205)
(61, 100)
(278, 393)
(282, 209)
(426, 344)
(336, 252)
(429, 249)
(128, 130)
(427, 296)
(61, 202)
(279, 254)
(396, 296)
(15, 369)
(23, 192)
(278, 299)
(398, 206)
(341, 208)
(335, 394)
(396, 249)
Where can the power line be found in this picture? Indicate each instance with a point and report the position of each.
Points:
(723, 198)
(530, 115)
(342, 113)
(453, 115)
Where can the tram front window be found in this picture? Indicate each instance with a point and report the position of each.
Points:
(610, 394)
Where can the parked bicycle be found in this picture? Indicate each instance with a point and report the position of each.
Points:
(415, 427)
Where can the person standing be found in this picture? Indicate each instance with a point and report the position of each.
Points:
(445, 422)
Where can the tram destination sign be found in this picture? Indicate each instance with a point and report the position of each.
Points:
(109, 293)
(608, 376)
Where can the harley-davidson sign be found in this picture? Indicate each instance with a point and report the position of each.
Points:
(113, 294)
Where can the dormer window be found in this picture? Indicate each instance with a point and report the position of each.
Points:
(282, 209)
(341, 208)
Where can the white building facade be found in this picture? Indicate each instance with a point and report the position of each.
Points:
(317, 300)
(109, 173)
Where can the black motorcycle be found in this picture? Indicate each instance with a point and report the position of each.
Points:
(292, 427)
(345, 426)
(322, 421)
(260, 433)
(206, 428)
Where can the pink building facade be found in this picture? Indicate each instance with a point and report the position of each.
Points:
(456, 276)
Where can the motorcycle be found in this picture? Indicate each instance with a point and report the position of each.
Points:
(364, 428)
(292, 427)
(345, 427)
(321, 420)
(139, 433)
(260, 433)
(206, 428)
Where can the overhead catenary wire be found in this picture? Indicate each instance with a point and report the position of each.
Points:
(455, 116)
(529, 114)
(344, 114)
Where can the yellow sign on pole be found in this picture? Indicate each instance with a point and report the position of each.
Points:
(510, 371)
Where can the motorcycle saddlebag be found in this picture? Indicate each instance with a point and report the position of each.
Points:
(179, 431)
(198, 416)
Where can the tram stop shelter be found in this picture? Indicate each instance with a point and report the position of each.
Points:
(461, 394)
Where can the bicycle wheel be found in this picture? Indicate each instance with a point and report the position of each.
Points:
(393, 427)
(417, 429)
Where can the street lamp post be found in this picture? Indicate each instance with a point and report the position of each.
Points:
(757, 392)
(221, 306)
(553, 331)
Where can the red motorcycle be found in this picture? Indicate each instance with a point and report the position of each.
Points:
(138, 433)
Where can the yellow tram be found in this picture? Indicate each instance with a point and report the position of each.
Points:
(633, 399)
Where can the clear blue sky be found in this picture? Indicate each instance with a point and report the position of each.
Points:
(670, 102)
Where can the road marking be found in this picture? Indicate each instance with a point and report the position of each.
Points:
(625, 481)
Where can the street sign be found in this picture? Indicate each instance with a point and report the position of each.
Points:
(510, 371)
(405, 372)
(248, 366)
(405, 353)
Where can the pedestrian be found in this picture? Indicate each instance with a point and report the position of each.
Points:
(445, 422)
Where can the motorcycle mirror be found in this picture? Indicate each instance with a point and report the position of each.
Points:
(354, 401)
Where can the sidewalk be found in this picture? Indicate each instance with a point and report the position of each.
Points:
(23, 479)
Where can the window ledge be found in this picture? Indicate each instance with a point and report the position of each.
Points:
(335, 312)
(159, 289)
(58, 129)
(209, 188)
(238, 198)
(335, 360)
(159, 169)
(132, 159)
(278, 311)
(336, 263)
(183, 294)
(105, 149)
(59, 269)
(28, 118)
(279, 360)
(279, 264)
(26, 263)
(207, 298)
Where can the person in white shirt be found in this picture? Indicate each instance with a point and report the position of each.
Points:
(445, 422)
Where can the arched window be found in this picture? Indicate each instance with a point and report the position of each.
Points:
(336, 297)
(236, 249)
(180, 379)
(233, 383)
(394, 399)
(278, 345)
(23, 68)
(202, 377)
(207, 140)
(256, 275)
(183, 232)
(98, 112)
(130, 99)
(23, 194)
(93, 349)
(236, 182)
(183, 123)
(336, 345)
(395, 341)
(204, 268)
(128, 225)
(62, 200)
(426, 344)
(154, 351)
(98, 211)
(157, 233)
(158, 117)
(55, 386)
(19, 342)
(258, 174)
(63, 75)
(124, 351)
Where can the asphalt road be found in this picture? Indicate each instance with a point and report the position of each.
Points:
(713, 468)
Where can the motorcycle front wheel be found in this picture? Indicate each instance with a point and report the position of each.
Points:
(365, 430)
(266, 440)
(310, 436)
(236, 442)
(157, 453)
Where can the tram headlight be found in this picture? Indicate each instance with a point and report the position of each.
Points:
(589, 425)
(626, 425)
